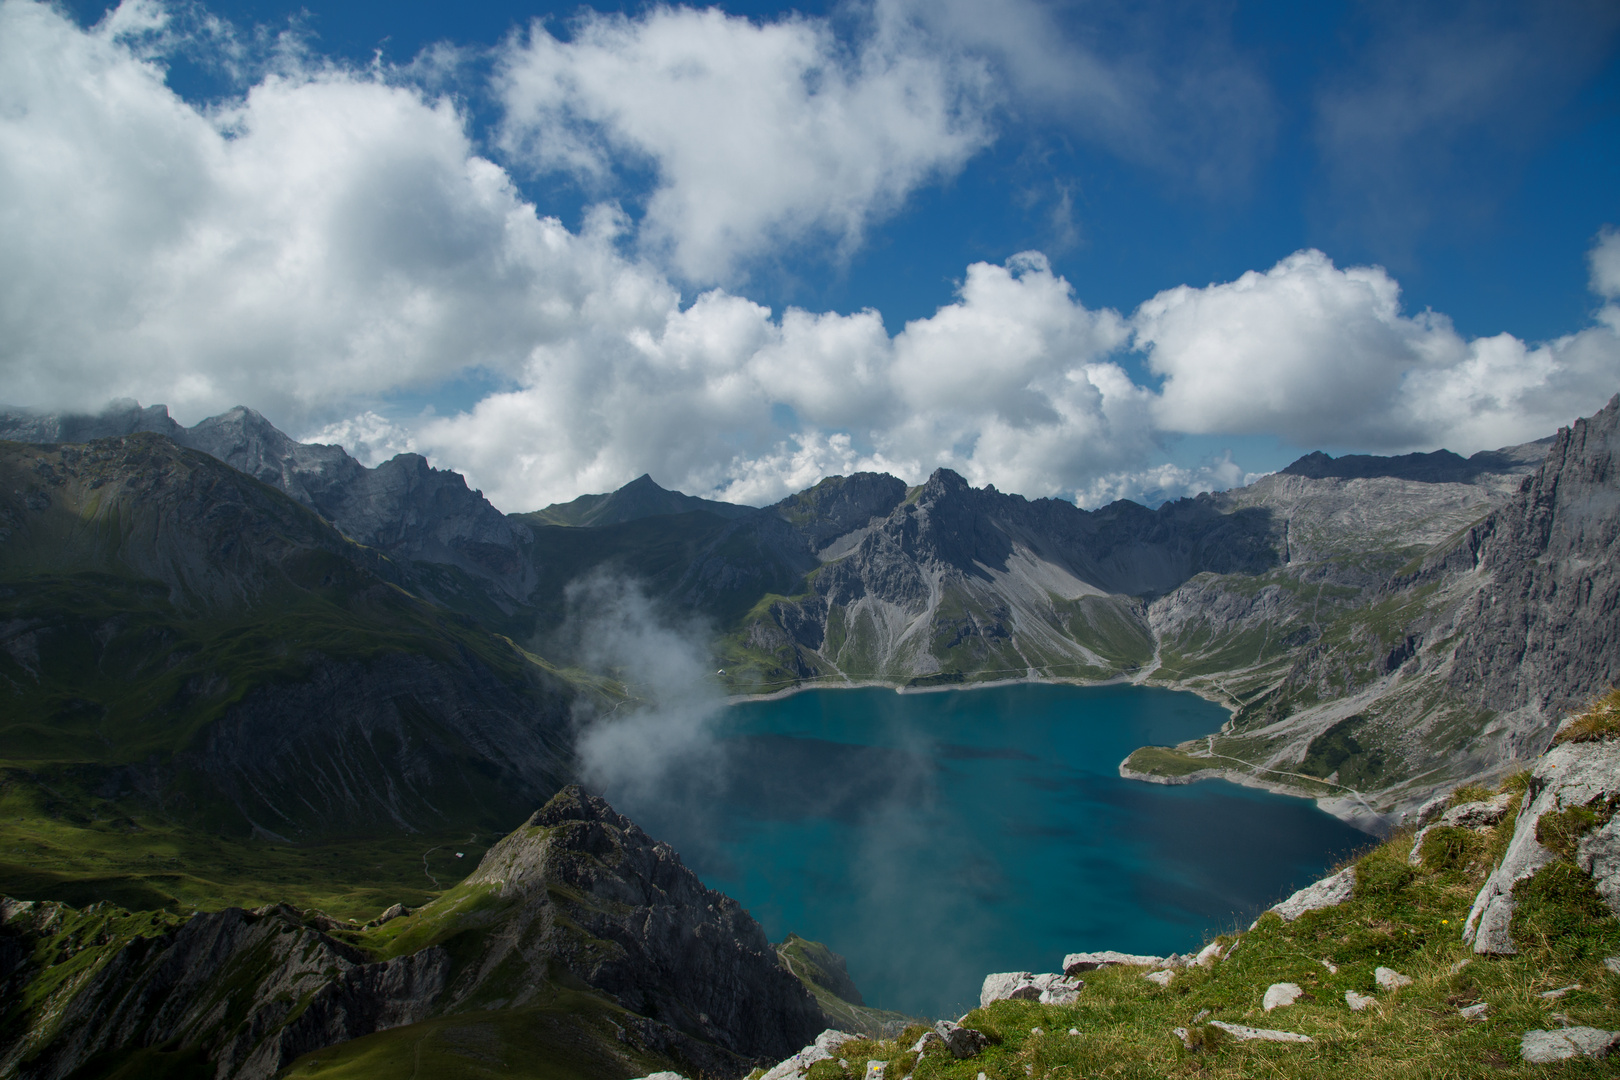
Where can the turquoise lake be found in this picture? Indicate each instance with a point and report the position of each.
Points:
(932, 838)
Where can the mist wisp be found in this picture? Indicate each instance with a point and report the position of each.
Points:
(655, 755)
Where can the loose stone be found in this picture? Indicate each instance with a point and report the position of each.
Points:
(1541, 1047)
(1390, 979)
(1357, 1002)
(1161, 977)
(1279, 995)
(960, 1041)
(1247, 1034)
(1474, 1012)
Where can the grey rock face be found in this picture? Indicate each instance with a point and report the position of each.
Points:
(1598, 853)
(1545, 631)
(1570, 774)
(403, 507)
(122, 417)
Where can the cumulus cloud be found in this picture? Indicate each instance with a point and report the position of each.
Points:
(1008, 385)
(326, 235)
(332, 240)
(1605, 261)
(1161, 483)
(760, 133)
(1324, 356)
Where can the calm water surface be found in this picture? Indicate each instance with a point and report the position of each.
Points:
(933, 838)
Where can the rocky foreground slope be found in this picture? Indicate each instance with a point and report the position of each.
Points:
(1482, 943)
(577, 920)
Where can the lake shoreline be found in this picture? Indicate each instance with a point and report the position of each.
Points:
(1352, 812)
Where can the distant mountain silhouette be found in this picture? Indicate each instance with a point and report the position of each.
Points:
(640, 498)
(1440, 467)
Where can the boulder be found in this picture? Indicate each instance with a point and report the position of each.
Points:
(1048, 989)
(1161, 977)
(1357, 1002)
(962, 1042)
(1249, 1034)
(928, 1039)
(1331, 891)
(1479, 815)
(825, 1048)
(1390, 979)
(1279, 995)
(1006, 985)
(1075, 963)
(1541, 1047)
(399, 910)
(1209, 954)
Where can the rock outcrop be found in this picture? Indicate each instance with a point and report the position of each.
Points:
(1570, 776)
(584, 887)
(250, 991)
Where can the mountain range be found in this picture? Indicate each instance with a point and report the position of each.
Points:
(1381, 627)
(257, 691)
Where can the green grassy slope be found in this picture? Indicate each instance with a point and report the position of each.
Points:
(156, 609)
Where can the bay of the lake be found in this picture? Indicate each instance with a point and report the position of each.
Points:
(933, 838)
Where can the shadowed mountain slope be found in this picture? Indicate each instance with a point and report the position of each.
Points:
(180, 643)
(577, 924)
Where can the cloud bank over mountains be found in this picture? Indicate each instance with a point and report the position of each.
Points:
(334, 237)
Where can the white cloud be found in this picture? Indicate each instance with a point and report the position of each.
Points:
(1006, 385)
(1161, 483)
(328, 235)
(369, 438)
(332, 240)
(1605, 260)
(1323, 356)
(760, 134)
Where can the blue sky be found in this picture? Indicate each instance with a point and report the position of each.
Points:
(1402, 184)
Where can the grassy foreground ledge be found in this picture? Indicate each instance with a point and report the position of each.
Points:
(1401, 916)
